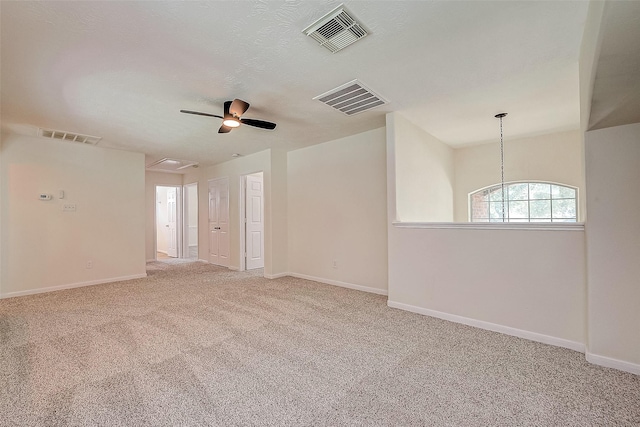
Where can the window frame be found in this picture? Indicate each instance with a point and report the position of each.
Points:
(528, 220)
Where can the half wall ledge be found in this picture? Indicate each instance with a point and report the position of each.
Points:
(533, 226)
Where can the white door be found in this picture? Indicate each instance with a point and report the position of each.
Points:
(254, 220)
(219, 221)
(172, 237)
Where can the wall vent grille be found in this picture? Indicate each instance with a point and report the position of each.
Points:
(69, 136)
(336, 30)
(352, 98)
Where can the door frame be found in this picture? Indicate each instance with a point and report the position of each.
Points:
(179, 223)
(242, 216)
(185, 224)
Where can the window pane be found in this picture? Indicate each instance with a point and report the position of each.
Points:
(539, 191)
(564, 220)
(518, 191)
(526, 201)
(495, 210)
(560, 192)
(518, 210)
(564, 208)
(480, 196)
(540, 209)
(479, 210)
(496, 194)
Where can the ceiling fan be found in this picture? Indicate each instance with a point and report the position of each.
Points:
(233, 110)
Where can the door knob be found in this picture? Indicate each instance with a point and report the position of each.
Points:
(215, 228)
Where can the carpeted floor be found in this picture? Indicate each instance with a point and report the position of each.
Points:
(195, 344)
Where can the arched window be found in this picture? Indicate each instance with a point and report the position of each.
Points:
(524, 202)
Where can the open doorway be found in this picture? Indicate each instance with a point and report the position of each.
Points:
(168, 222)
(177, 222)
(252, 212)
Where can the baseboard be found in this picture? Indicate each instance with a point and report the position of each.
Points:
(234, 268)
(609, 362)
(533, 336)
(71, 286)
(276, 276)
(340, 284)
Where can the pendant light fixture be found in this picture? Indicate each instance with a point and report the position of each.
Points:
(500, 117)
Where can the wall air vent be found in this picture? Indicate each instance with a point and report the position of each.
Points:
(69, 136)
(336, 30)
(352, 98)
(171, 165)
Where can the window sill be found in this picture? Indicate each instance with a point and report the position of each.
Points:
(535, 226)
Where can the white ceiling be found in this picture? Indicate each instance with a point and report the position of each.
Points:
(123, 70)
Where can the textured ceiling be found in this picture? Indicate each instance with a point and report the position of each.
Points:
(123, 70)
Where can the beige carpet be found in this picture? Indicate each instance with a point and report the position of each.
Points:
(195, 344)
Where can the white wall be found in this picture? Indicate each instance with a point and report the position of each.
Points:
(276, 215)
(162, 218)
(424, 173)
(529, 283)
(45, 248)
(153, 179)
(2, 197)
(613, 246)
(556, 157)
(271, 163)
(337, 211)
(589, 55)
(192, 214)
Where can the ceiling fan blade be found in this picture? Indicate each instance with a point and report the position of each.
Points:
(258, 123)
(227, 104)
(238, 107)
(224, 129)
(200, 114)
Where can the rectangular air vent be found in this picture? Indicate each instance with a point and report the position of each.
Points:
(351, 98)
(69, 136)
(171, 165)
(336, 30)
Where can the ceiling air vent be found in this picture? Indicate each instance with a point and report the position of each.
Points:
(69, 136)
(171, 165)
(336, 30)
(351, 98)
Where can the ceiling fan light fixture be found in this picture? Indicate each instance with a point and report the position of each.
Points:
(232, 123)
(232, 118)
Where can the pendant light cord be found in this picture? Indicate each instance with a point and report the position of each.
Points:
(502, 167)
(501, 116)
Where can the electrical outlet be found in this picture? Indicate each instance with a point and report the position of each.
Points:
(90, 264)
(335, 264)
